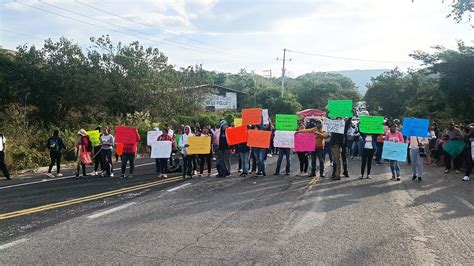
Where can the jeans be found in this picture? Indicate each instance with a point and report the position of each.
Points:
(367, 160)
(303, 158)
(126, 157)
(260, 154)
(161, 165)
(318, 153)
(378, 156)
(225, 156)
(244, 158)
(55, 159)
(327, 150)
(3, 165)
(188, 165)
(355, 149)
(205, 158)
(253, 157)
(349, 143)
(107, 166)
(395, 168)
(416, 162)
(287, 153)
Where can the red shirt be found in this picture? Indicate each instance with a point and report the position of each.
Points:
(132, 148)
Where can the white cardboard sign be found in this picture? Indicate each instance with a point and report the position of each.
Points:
(161, 149)
(334, 126)
(284, 139)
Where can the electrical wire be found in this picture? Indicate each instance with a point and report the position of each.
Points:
(351, 59)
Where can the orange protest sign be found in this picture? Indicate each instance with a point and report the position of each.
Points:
(236, 135)
(119, 148)
(259, 138)
(251, 116)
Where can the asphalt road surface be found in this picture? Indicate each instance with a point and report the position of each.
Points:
(274, 219)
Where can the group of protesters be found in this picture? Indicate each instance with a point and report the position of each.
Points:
(351, 144)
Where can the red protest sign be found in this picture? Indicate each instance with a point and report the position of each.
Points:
(126, 135)
(259, 138)
(252, 116)
(236, 135)
(119, 148)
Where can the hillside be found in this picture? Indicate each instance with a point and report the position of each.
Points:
(360, 77)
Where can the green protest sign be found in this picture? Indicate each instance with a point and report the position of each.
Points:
(371, 124)
(286, 122)
(454, 147)
(339, 108)
(94, 136)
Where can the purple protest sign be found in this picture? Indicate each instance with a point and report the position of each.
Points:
(305, 142)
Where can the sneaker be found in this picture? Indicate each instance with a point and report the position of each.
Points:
(243, 175)
(361, 177)
(194, 172)
(276, 174)
(312, 174)
(165, 176)
(457, 172)
(322, 176)
(94, 173)
(59, 175)
(287, 174)
(122, 176)
(419, 179)
(209, 175)
(368, 177)
(111, 174)
(240, 170)
(466, 178)
(49, 175)
(269, 155)
(393, 177)
(305, 174)
(346, 174)
(264, 174)
(414, 177)
(446, 171)
(214, 159)
(84, 175)
(8, 178)
(160, 176)
(259, 174)
(398, 178)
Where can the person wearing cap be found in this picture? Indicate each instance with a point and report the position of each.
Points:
(316, 127)
(452, 134)
(55, 144)
(223, 147)
(3, 165)
(81, 147)
(107, 141)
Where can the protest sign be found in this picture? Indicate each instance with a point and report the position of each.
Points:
(251, 116)
(339, 108)
(199, 145)
(236, 135)
(152, 136)
(454, 147)
(415, 127)
(125, 135)
(265, 117)
(286, 122)
(395, 151)
(237, 122)
(94, 136)
(177, 137)
(161, 149)
(284, 139)
(259, 138)
(371, 124)
(305, 142)
(119, 148)
(334, 126)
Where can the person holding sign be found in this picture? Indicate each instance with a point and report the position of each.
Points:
(83, 147)
(206, 158)
(223, 147)
(128, 155)
(452, 134)
(244, 153)
(316, 127)
(303, 159)
(162, 163)
(187, 158)
(394, 136)
(107, 141)
(368, 142)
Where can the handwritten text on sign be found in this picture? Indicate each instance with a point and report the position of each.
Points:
(371, 124)
(284, 139)
(152, 137)
(259, 138)
(334, 126)
(415, 127)
(199, 145)
(286, 122)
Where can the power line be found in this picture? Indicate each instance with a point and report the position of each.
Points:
(22, 34)
(350, 59)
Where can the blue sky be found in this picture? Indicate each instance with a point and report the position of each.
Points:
(230, 35)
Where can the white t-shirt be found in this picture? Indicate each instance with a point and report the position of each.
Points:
(368, 143)
(107, 139)
(2, 142)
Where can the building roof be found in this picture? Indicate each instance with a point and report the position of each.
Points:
(218, 87)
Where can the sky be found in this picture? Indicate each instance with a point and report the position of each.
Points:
(229, 35)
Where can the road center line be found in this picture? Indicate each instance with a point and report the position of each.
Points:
(465, 202)
(97, 215)
(178, 187)
(11, 244)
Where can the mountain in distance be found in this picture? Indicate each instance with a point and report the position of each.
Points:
(361, 77)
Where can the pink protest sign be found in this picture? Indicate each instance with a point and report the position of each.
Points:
(305, 142)
(126, 135)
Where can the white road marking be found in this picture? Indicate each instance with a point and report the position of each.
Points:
(59, 178)
(469, 205)
(178, 187)
(97, 215)
(11, 244)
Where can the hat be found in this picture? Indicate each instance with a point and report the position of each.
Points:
(222, 123)
(82, 132)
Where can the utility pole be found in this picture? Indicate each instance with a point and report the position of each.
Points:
(283, 70)
(268, 71)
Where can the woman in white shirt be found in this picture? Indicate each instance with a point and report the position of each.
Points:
(417, 155)
(368, 144)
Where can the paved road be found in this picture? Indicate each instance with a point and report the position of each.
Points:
(275, 219)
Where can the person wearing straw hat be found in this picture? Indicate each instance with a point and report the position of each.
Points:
(81, 147)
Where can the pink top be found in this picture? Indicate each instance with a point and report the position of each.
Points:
(394, 137)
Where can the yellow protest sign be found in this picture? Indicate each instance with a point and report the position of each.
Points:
(237, 122)
(94, 136)
(199, 145)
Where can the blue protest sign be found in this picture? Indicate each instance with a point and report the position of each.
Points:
(394, 151)
(416, 127)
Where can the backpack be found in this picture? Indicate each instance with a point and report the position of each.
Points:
(53, 144)
(222, 169)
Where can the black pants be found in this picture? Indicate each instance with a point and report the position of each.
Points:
(97, 158)
(367, 160)
(187, 165)
(55, 159)
(457, 161)
(3, 166)
(304, 162)
(344, 158)
(161, 165)
(107, 165)
(126, 157)
(204, 158)
(79, 168)
(468, 160)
